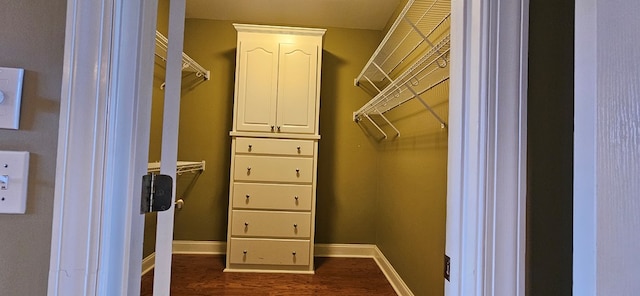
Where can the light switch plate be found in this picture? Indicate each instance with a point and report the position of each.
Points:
(10, 97)
(14, 175)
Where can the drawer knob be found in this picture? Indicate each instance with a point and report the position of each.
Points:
(298, 171)
(298, 149)
(246, 224)
(295, 225)
(293, 253)
(244, 252)
(247, 196)
(250, 146)
(296, 197)
(248, 168)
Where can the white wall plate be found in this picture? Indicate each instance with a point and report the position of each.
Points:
(14, 172)
(10, 97)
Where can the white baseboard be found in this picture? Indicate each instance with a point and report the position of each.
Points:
(199, 247)
(148, 263)
(392, 276)
(321, 250)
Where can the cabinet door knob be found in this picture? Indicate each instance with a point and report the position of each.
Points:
(278, 128)
(272, 127)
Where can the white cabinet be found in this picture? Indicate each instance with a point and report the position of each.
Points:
(277, 81)
(274, 153)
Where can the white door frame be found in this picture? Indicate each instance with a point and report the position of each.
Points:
(486, 202)
(104, 130)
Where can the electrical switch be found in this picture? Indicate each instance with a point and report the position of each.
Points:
(14, 171)
(4, 182)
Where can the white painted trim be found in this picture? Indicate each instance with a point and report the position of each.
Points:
(199, 247)
(148, 263)
(584, 163)
(487, 144)
(75, 241)
(102, 122)
(345, 250)
(390, 273)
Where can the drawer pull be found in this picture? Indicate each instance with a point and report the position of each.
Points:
(244, 252)
(295, 225)
(248, 196)
(272, 127)
(298, 149)
(249, 169)
(250, 146)
(278, 128)
(246, 224)
(293, 253)
(296, 198)
(298, 171)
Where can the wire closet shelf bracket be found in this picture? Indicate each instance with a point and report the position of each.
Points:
(188, 64)
(411, 60)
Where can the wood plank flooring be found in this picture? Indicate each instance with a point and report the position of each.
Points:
(199, 275)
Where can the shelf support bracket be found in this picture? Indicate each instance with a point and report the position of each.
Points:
(391, 81)
(416, 95)
(376, 125)
(389, 123)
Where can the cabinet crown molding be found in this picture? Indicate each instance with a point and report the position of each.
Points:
(279, 30)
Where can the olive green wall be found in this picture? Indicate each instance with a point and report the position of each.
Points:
(32, 38)
(411, 212)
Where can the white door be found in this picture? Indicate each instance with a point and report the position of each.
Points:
(169, 149)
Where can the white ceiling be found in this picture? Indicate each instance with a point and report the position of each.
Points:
(354, 14)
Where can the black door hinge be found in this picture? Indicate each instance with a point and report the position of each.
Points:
(447, 268)
(156, 193)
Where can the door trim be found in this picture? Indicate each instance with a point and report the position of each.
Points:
(96, 244)
(486, 190)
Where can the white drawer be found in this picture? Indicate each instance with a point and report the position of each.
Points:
(273, 169)
(271, 224)
(265, 251)
(274, 146)
(272, 196)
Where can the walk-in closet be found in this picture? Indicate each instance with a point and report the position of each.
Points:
(367, 172)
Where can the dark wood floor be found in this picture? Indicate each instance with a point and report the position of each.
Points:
(196, 275)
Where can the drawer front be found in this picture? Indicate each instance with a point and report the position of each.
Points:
(264, 251)
(272, 196)
(273, 169)
(270, 224)
(274, 146)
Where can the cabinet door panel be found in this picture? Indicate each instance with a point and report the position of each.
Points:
(297, 88)
(257, 86)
